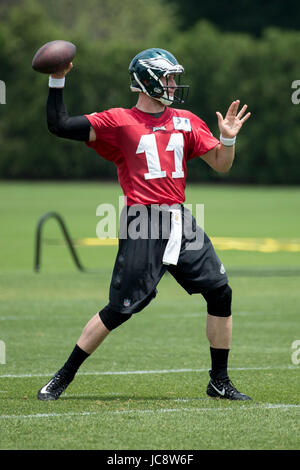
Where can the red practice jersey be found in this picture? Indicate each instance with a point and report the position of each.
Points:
(151, 153)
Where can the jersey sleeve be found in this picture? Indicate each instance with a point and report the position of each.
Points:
(201, 139)
(105, 125)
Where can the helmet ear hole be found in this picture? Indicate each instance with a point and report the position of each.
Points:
(146, 82)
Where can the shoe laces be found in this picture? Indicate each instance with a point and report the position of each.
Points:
(58, 377)
(228, 385)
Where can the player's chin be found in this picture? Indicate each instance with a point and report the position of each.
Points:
(167, 100)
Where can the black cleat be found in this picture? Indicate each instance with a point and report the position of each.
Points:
(223, 388)
(56, 386)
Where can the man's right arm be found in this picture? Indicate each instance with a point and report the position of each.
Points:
(60, 123)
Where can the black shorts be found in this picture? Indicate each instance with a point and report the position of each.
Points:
(139, 266)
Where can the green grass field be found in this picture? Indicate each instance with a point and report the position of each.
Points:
(144, 388)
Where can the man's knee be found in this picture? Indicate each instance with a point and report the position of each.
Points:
(112, 319)
(219, 301)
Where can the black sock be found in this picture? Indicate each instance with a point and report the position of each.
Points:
(76, 358)
(219, 361)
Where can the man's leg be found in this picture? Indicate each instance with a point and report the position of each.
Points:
(91, 337)
(93, 334)
(219, 328)
(219, 333)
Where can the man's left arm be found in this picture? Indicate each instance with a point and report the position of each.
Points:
(221, 157)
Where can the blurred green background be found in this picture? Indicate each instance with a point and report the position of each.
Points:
(243, 49)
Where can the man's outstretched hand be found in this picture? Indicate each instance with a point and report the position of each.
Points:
(233, 121)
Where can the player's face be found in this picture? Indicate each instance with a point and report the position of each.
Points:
(170, 82)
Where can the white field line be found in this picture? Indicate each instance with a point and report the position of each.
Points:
(278, 406)
(141, 372)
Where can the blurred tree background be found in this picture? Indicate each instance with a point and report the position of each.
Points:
(247, 50)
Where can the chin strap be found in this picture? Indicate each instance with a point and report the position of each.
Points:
(166, 101)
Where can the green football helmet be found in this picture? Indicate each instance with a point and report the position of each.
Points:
(146, 70)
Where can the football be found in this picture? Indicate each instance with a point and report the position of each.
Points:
(53, 57)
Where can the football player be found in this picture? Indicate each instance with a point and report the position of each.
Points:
(151, 144)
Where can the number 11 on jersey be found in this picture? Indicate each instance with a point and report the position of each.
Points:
(148, 146)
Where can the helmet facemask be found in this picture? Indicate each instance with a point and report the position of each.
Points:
(172, 94)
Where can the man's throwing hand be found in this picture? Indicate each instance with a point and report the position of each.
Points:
(231, 124)
(64, 72)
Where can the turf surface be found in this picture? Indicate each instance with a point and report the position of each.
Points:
(145, 386)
